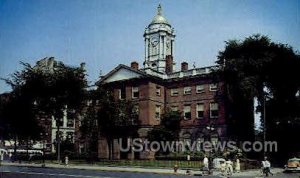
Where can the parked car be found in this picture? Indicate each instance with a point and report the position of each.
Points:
(293, 164)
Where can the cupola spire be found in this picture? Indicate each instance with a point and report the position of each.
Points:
(159, 10)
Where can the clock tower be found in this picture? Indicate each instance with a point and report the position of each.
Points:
(159, 42)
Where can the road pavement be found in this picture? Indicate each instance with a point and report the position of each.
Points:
(15, 170)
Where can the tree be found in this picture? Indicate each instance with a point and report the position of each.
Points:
(116, 118)
(89, 126)
(257, 67)
(169, 128)
(243, 66)
(282, 107)
(50, 88)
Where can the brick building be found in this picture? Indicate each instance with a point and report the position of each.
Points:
(157, 87)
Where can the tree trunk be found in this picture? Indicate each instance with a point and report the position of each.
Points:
(110, 148)
(15, 148)
(58, 143)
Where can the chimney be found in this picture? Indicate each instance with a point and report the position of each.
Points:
(184, 66)
(169, 64)
(134, 65)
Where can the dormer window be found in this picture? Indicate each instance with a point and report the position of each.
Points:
(187, 90)
(174, 92)
(213, 87)
(200, 88)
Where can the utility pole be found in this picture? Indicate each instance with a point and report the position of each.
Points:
(264, 125)
(265, 90)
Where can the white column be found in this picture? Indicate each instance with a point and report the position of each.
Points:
(146, 50)
(172, 47)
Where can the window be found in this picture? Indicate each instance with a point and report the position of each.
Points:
(174, 108)
(135, 92)
(213, 87)
(199, 88)
(187, 90)
(214, 110)
(187, 112)
(200, 110)
(174, 92)
(136, 109)
(157, 112)
(122, 93)
(59, 122)
(70, 136)
(157, 90)
(70, 123)
(59, 134)
(214, 139)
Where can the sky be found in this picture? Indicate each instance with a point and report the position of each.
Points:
(105, 33)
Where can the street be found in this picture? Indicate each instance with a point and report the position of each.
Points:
(37, 172)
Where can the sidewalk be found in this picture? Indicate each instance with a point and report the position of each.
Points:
(247, 173)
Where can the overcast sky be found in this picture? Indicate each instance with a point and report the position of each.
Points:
(105, 33)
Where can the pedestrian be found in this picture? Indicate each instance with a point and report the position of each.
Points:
(266, 167)
(10, 156)
(229, 168)
(205, 162)
(66, 160)
(1, 157)
(237, 166)
(205, 165)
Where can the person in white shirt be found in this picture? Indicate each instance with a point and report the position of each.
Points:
(237, 165)
(1, 157)
(205, 162)
(229, 169)
(266, 167)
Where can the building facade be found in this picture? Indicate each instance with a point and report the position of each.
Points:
(157, 87)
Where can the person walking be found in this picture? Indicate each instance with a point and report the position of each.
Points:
(66, 160)
(1, 157)
(237, 166)
(229, 168)
(266, 167)
(205, 164)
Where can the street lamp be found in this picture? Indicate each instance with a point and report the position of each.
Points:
(265, 91)
(44, 140)
(58, 123)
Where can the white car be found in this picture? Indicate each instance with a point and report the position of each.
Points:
(218, 163)
(293, 164)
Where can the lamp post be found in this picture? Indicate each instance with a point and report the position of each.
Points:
(58, 123)
(264, 118)
(44, 138)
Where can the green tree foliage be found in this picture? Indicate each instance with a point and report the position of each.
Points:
(89, 125)
(169, 128)
(247, 68)
(46, 91)
(116, 118)
(243, 65)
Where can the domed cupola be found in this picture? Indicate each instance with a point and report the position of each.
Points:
(159, 42)
(159, 19)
